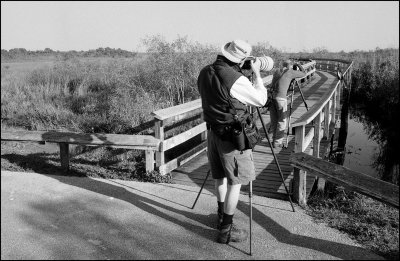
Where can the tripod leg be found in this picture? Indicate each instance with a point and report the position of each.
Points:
(202, 186)
(304, 100)
(302, 96)
(290, 115)
(276, 160)
(251, 210)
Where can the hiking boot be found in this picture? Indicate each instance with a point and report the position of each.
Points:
(230, 232)
(219, 221)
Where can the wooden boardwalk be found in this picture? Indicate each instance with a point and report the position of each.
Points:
(268, 181)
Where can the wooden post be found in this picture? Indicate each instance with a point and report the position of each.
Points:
(204, 134)
(348, 78)
(159, 134)
(333, 108)
(149, 160)
(64, 155)
(350, 72)
(299, 176)
(317, 137)
(316, 145)
(339, 93)
(326, 120)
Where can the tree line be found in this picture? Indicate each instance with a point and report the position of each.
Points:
(23, 54)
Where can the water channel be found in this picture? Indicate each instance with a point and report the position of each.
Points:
(370, 148)
(361, 151)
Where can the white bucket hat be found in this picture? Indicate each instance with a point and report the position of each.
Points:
(236, 51)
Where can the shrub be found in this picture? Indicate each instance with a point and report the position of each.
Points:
(175, 67)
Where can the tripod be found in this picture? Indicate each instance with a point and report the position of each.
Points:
(251, 184)
(276, 162)
(294, 83)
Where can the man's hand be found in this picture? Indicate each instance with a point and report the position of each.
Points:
(255, 66)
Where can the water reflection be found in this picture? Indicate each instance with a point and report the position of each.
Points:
(372, 142)
(361, 152)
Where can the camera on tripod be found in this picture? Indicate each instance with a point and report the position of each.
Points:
(266, 63)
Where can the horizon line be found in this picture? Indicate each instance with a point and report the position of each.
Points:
(133, 51)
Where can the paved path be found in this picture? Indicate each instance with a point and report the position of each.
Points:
(62, 217)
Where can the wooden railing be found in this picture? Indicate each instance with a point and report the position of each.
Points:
(352, 180)
(174, 115)
(322, 114)
(139, 142)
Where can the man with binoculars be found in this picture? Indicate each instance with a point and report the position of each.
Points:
(225, 94)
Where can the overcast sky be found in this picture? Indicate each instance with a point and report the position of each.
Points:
(288, 26)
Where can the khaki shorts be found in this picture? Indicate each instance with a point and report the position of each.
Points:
(225, 161)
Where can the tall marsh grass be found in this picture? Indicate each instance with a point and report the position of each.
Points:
(107, 95)
(75, 95)
(85, 96)
(375, 89)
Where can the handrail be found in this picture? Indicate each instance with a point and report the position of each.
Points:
(355, 181)
(324, 59)
(315, 109)
(178, 112)
(147, 143)
(140, 142)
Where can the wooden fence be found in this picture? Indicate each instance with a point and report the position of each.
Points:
(352, 180)
(139, 142)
